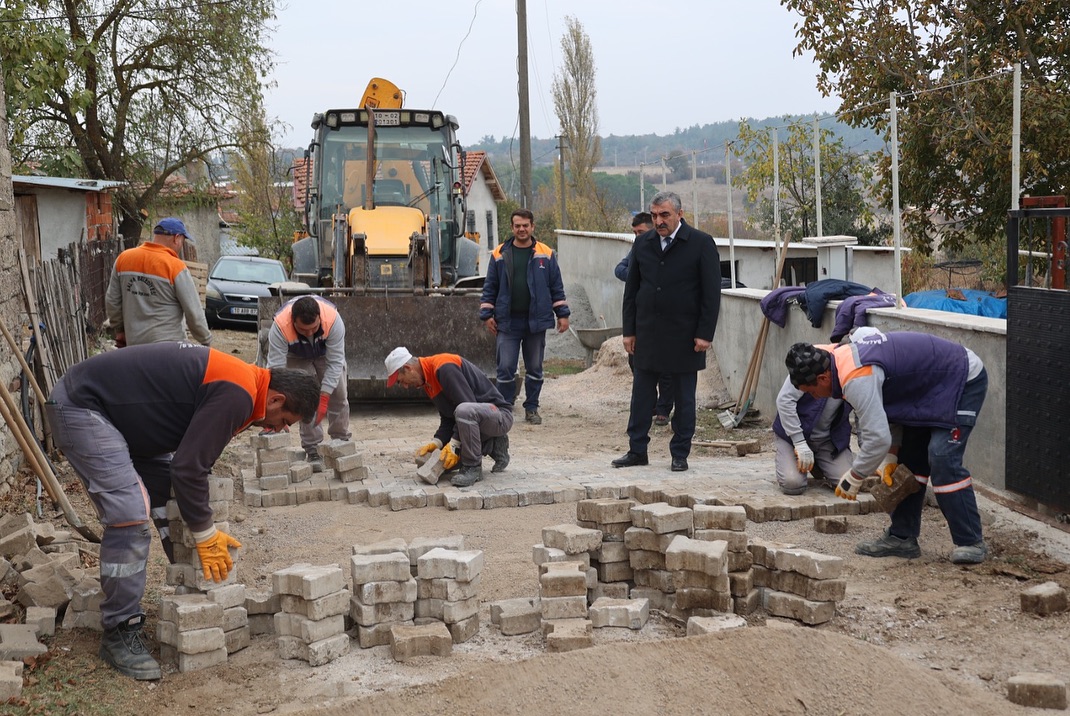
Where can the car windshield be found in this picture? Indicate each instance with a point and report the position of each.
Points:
(249, 271)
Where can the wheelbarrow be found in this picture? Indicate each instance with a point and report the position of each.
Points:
(593, 338)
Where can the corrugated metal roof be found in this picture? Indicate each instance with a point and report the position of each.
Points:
(66, 183)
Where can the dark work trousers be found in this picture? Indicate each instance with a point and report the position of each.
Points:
(935, 455)
(664, 404)
(101, 458)
(475, 423)
(155, 474)
(644, 398)
(509, 347)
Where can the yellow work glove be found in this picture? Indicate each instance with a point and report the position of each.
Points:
(450, 459)
(212, 548)
(887, 467)
(429, 447)
(848, 486)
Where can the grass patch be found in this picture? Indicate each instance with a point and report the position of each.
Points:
(554, 367)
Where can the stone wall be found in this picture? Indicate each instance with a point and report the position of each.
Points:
(10, 299)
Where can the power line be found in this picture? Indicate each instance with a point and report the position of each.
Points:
(475, 13)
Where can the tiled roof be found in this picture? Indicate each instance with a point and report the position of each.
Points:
(476, 164)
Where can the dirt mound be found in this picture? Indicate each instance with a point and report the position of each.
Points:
(756, 671)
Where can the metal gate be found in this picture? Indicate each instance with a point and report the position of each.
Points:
(1038, 394)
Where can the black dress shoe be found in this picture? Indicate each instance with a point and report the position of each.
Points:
(679, 464)
(630, 459)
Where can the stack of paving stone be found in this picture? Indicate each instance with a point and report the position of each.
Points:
(186, 574)
(699, 571)
(83, 611)
(610, 560)
(654, 527)
(384, 590)
(261, 606)
(796, 583)
(235, 616)
(190, 632)
(311, 625)
(450, 580)
(342, 457)
(728, 524)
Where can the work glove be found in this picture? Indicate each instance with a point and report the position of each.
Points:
(435, 444)
(848, 486)
(212, 548)
(321, 411)
(450, 457)
(804, 457)
(887, 467)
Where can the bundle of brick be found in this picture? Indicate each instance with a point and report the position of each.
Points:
(610, 560)
(797, 583)
(448, 590)
(654, 527)
(83, 611)
(342, 457)
(190, 632)
(236, 631)
(185, 574)
(384, 591)
(728, 524)
(699, 571)
(311, 623)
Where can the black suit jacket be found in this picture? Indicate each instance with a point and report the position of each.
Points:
(671, 298)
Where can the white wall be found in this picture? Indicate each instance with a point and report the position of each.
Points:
(480, 201)
(61, 217)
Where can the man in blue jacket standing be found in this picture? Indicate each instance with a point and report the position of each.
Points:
(523, 297)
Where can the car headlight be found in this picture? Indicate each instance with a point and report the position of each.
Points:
(213, 292)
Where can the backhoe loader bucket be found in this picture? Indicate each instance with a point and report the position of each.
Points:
(425, 324)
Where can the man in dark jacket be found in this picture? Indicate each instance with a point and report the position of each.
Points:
(117, 416)
(671, 299)
(523, 297)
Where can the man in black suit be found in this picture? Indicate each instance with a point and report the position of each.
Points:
(671, 299)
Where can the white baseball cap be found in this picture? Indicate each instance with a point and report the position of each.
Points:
(397, 358)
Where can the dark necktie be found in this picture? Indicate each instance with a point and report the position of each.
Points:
(667, 243)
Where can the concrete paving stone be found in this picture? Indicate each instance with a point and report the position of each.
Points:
(447, 589)
(494, 499)
(1044, 599)
(1038, 690)
(535, 496)
(625, 613)
(407, 499)
(43, 619)
(811, 564)
(464, 501)
(328, 605)
(18, 641)
(711, 625)
(439, 563)
(792, 606)
(568, 493)
(601, 491)
(10, 680)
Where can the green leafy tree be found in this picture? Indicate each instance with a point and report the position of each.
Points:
(955, 118)
(267, 220)
(846, 178)
(138, 91)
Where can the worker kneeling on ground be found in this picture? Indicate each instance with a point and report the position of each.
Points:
(475, 418)
(916, 398)
(117, 416)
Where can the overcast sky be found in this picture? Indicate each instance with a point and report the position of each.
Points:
(661, 64)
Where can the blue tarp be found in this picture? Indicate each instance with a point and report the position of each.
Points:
(977, 303)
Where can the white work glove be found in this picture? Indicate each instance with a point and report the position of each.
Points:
(804, 457)
(887, 467)
(848, 486)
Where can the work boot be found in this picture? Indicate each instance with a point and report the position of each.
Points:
(533, 417)
(970, 554)
(312, 455)
(888, 545)
(467, 476)
(124, 650)
(499, 452)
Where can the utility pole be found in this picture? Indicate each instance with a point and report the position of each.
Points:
(642, 200)
(561, 148)
(522, 91)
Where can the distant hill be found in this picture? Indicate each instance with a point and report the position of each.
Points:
(630, 150)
